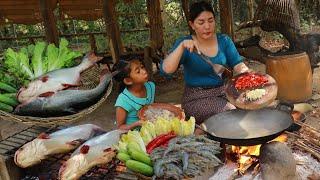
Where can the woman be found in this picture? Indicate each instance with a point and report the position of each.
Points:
(204, 91)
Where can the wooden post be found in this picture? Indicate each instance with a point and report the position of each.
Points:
(226, 17)
(155, 20)
(251, 14)
(148, 61)
(49, 21)
(185, 8)
(112, 28)
(31, 40)
(93, 43)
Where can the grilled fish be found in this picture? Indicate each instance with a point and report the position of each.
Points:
(98, 150)
(65, 102)
(56, 80)
(61, 141)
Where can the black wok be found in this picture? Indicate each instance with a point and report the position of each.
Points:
(248, 127)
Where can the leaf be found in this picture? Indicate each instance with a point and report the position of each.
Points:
(24, 63)
(37, 58)
(17, 64)
(62, 56)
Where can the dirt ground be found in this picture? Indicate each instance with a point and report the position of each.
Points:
(166, 91)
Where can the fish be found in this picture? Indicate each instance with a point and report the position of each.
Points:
(66, 102)
(61, 141)
(56, 80)
(96, 151)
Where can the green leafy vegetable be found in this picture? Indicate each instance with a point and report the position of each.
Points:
(37, 58)
(62, 56)
(17, 64)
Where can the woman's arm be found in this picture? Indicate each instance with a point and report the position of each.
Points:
(171, 62)
(121, 115)
(240, 68)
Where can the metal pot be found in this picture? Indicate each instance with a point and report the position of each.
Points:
(249, 127)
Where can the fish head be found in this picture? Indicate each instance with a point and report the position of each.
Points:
(30, 154)
(71, 169)
(32, 90)
(80, 163)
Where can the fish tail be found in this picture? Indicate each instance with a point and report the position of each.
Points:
(88, 60)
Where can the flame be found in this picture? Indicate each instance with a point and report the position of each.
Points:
(247, 154)
(281, 138)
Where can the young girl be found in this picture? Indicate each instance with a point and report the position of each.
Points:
(135, 92)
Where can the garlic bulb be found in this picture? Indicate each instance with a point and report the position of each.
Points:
(255, 94)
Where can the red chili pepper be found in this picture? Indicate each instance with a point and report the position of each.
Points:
(159, 141)
(165, 144)
(250, 80)
(155, 140)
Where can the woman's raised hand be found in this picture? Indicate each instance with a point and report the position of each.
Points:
(191, 45)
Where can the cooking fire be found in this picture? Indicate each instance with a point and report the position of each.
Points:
(247, 156)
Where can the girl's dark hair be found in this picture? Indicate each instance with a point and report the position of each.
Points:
(197, 8)
(123, 66)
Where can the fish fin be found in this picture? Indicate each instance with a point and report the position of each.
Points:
(44, 78)
(99, 131)
(43, 136)
(47, 94)
(84, 149)
(66, 86)
(107, 150)
(70, 110)
(76, 142)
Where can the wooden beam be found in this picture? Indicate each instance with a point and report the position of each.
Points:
(49, 21)
(226, 17)
(112, 28)
(155, 20)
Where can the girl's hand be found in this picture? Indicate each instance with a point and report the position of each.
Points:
(191, 45)
(140, 122)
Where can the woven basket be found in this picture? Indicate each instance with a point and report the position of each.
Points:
(89, 80)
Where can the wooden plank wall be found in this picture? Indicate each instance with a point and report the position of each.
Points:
(88, 10)
(21, 11)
